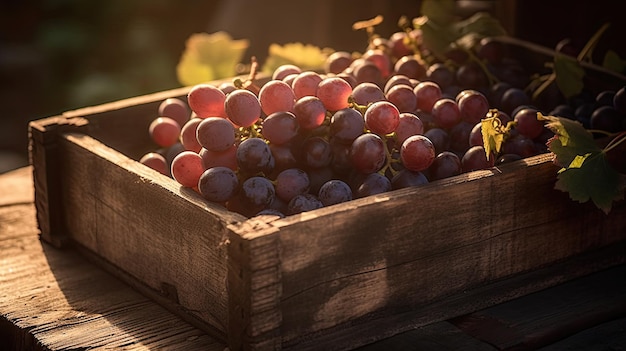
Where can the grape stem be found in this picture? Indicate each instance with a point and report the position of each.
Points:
(388, 159)
(619, 138)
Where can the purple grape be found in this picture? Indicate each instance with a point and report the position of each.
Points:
(334, 191)
(254, 156)
(218, 184)
(302, 203)
(291, 182)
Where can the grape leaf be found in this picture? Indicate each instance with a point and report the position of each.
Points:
(569, 75)
(435, 37)
(494, 133)
(439, 11)
(305, 56)
(209, 56)
(571, 139)
(590, 177)
(482, 24)
(585, 173)
(613, 62)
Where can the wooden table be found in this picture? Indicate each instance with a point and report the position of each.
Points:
(54, 299)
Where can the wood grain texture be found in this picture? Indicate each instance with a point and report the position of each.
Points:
(53, 299)
(406, 249)
(158, 232)
(44, 156)
(569, 308)
(255, 286)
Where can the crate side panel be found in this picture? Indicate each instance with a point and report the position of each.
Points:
(44, 157)
(255, 286)
(422, 245)
(146, 228)
(398, 226)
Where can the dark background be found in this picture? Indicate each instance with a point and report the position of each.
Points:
(58, 55)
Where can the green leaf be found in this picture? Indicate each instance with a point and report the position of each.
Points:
(494, 133)
(482, 24)
(305, 56)
(569, 75)
(441, 12)
(435, 37)
(613, 62)
(210, 56)
(590, 177)
(585, 173)
(571, 139)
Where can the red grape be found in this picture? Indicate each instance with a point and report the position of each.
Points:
(164, 131)
(206, 100)
(187, 168)
(417, 153)
(334, 93)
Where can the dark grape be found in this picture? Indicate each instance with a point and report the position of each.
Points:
(280, 127)
(368, 153)
(291, 182)
(302, 203)
(316, 153)
(373, 183)
(406, 178)
(346, 125)
(254, 156)
(527, 123)
(440, 139)
(446, 164)
(619, 100)
(334, 191)
(471, 76)
(256, 193)
(606, 118)
(440, 74)
(218, 184)
(475, 158)
(512, 98)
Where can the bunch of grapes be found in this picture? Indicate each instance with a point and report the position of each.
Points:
(366, 124)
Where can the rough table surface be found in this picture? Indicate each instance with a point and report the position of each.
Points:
(56, 300)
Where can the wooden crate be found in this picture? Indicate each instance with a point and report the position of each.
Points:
(335, 278)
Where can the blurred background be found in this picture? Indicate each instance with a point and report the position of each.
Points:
(59, 55)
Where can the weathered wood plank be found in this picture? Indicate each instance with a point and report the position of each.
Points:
(545, 317)
(373, 257)
(53, 299)
(44, 157)
(11, 192)
(160, 233)
(255, 286)
(607, 336)
(441, 336)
